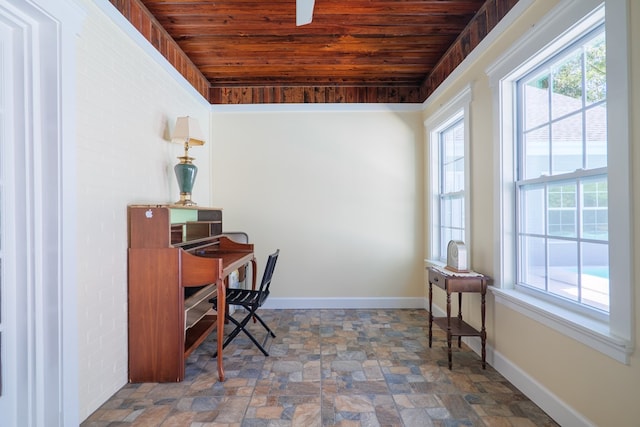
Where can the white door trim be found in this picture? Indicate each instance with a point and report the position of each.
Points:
(43, 389)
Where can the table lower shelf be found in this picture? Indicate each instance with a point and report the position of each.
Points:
(459, 328)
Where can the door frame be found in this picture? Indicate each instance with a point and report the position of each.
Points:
(41, 325)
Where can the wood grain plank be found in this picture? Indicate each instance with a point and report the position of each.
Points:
(250, 51)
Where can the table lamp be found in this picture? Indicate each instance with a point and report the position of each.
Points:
(187, 132)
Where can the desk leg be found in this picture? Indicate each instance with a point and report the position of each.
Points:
(226, 306)
(221, 306)
(449, 328)
(483, 332)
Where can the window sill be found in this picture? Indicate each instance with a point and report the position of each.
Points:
(433, 263)
(590, 332)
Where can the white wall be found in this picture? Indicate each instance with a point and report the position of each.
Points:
(127, 106)
(337, 188)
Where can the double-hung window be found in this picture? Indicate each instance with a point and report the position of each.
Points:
(448, 177)
(561, 185)
(451, 185)
(563, 225)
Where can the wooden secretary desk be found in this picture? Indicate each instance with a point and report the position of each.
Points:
(178, 259)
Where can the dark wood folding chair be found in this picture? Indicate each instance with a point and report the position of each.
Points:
(251, 301)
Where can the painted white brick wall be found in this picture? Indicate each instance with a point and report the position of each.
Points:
(127, 106)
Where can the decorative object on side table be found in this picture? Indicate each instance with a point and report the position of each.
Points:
(187, 132)
(457, 256)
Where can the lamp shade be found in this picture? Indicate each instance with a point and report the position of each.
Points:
(187, 131)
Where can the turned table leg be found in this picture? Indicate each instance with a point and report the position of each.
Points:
(449, 329)
(483, 332)
(430, 315)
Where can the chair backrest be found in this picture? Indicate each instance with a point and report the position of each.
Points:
(268, 272)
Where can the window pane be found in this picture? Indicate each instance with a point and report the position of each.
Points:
(536, 109)
(562, 210)
(457, 234)
(445, 237)
(536, 153)
(563, 274)
(458, 167)
(446, 212)
(452, 145)
(457, 213)
(595, 212)
(566, 145)
(453, 176)
(596, 69)
(596, 137)
(594, 270)
(448, 147)
(532, 209)
(458, 139)
(566, 96)
(533, 262)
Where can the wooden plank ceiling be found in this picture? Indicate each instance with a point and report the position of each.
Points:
(251, 51)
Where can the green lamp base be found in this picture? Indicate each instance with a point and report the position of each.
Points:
(186, 174)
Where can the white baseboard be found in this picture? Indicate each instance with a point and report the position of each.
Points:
(562, 413)
(298, 303)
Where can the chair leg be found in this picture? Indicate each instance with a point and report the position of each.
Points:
(255, 316)
(256, 342)
(241, 326)
(233, 333)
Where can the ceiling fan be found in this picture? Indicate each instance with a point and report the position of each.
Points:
(304, 12)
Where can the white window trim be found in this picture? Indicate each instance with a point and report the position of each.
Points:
(615, 336)
(456, 108)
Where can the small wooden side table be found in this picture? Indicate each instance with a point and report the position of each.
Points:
(455, 326)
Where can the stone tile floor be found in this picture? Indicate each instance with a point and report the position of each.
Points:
(336, 367)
